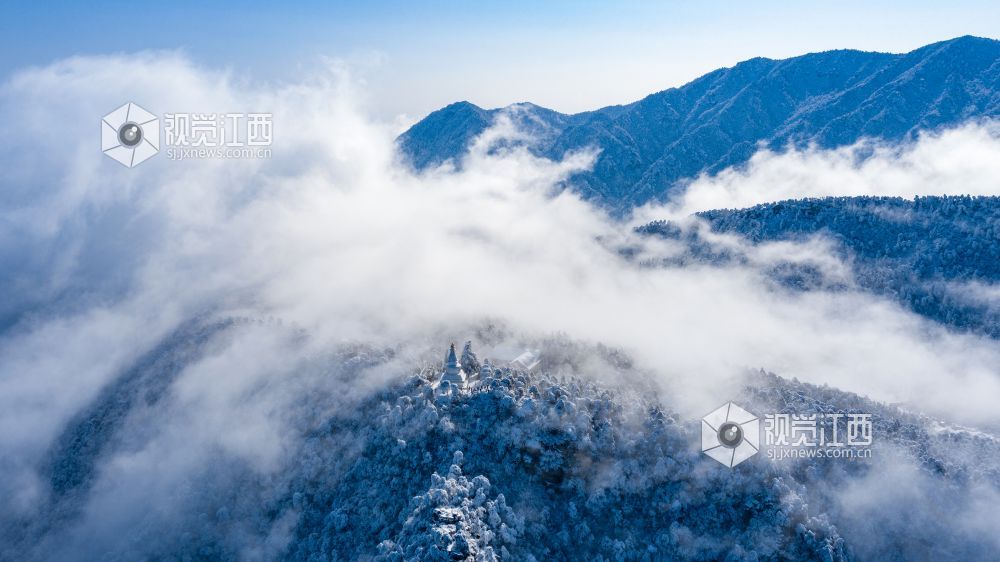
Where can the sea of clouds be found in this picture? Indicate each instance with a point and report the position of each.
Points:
(335, 238)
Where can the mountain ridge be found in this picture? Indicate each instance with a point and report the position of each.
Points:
(832, 98)
(933, 255)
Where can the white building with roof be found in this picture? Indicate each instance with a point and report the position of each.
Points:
(526, 361)
(453, 373)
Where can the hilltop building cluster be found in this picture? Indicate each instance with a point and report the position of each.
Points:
(460, 372)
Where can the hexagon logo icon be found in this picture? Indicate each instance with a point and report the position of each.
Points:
(730, 434)
(130, 135)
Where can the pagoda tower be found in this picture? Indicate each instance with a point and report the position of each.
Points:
(453, 372)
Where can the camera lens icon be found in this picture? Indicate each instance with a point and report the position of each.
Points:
(130, 135)
(730, 434)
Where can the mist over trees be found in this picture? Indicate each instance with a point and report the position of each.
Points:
(938, 256)
(242, 360)
(529, 466)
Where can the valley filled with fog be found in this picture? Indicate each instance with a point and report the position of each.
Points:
(236, 358)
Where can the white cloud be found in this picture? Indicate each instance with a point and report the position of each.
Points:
(337, 240)
(958, 161)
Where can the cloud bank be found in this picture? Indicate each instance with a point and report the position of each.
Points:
(336, 243)
(959, 161)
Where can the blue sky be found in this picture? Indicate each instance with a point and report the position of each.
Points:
(417, 56)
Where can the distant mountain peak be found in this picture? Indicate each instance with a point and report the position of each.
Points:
(718, 120)
(967, 40)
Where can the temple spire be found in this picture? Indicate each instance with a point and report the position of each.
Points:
(453, 373)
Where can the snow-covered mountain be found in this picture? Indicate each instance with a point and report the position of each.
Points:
(830, 99)
(937, 256)
(213, 360)
(519, 465)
